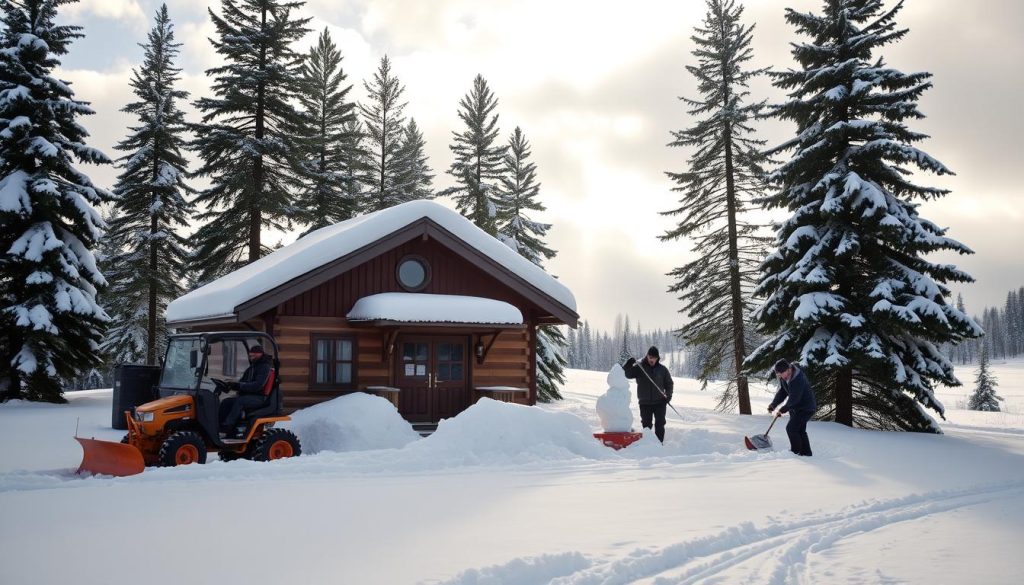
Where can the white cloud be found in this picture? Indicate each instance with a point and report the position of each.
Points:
(113, 9)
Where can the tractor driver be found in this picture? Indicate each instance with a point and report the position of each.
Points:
(250, 390)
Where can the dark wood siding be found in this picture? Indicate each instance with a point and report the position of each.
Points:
(293, 335)
(450, 275)
(507, 364)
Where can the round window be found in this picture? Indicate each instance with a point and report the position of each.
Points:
(413, 273)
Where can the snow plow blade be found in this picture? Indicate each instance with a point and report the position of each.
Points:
(108, 458)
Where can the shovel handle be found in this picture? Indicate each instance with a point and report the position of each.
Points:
(774, 418)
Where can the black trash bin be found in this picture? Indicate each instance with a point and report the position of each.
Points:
(134, 384)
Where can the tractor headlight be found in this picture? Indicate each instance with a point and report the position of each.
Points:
(144, 416)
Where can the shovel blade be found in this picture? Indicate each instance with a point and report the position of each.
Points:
(109, 458)
(758, 442)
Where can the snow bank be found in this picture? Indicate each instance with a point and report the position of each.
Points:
(499, 432)
(356, 422)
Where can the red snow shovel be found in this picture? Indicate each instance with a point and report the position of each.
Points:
(761, 441)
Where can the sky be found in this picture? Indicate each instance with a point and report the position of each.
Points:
(595, 89)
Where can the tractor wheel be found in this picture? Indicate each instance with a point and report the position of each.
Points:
(182, 448)
(276, 444)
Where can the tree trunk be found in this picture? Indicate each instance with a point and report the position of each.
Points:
(735, 290)
(152, 284)
(257, 172)
(844, 397)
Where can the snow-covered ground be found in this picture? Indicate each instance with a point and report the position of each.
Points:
(504, 494)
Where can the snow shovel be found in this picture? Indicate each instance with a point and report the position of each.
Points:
(109, 458)
(761, 441)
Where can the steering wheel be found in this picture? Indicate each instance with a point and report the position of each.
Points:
(220, 386)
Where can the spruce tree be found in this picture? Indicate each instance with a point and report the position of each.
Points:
(247, 139)
(327, 157)
(849, 293)
(385, 133)
(149, 257)
(478, 160)
(984, 397)
(517, 196)
(518, 193)
(416, 178)
(49, 316)
(356, 173)
(723, 176)
(624, 351)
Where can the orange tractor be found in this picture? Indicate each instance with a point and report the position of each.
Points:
(183, 425)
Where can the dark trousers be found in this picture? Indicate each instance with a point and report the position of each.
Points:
(657, 412)
(799, 443)
(240, 404)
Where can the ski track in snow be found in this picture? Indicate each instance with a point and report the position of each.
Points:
(780, 553)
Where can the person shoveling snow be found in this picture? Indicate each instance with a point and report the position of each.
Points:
(653, 389)
(800, 403)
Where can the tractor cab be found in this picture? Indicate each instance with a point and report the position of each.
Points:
(200, 361)
(203, 365)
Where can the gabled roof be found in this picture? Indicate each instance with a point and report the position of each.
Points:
(320, 255)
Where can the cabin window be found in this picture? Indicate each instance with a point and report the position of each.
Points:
(333, 361)
(413, 273)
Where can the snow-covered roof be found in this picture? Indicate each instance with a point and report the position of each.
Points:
(221, 298)
(426, 308)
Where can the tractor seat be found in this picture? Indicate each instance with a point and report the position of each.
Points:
(271, 407)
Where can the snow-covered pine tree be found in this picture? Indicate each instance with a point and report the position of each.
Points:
(478, 160)
(247, 139)
(518, 193)
(572, 350)
(1013, 330)
(356, 179)
(849, 293)
(984, 397)
(149, 257)
(326, 115)
(586, 347)
(515, 197)
(385, 133)
(624, 347)
(49, 316)
(724, 174)
(416, 178)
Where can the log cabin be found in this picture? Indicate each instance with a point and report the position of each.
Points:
(414, 303)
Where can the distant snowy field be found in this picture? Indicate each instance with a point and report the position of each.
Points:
(504, 494)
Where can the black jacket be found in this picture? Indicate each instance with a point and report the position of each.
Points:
(646, 393)
(255, 376)
(799, 392)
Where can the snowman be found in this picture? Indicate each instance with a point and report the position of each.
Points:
(613, 406)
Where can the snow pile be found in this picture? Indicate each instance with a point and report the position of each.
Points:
(500, 432)
(613, 406)
(427, 308)
(356, 422)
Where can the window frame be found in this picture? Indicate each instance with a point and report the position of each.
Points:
(333, 338)
(426, 272)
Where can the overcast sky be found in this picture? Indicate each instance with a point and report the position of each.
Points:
(594, 85)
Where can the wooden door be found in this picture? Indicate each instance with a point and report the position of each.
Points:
(432, 375)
